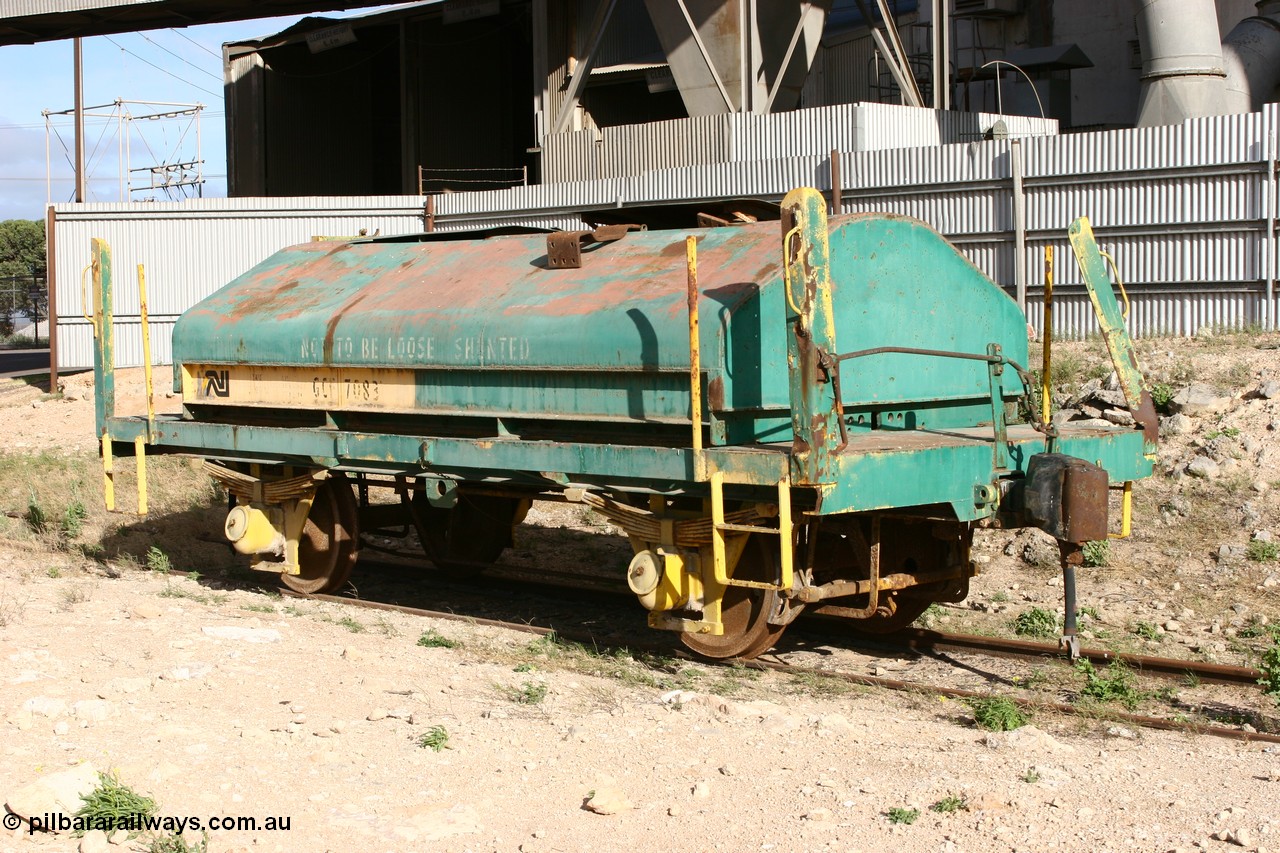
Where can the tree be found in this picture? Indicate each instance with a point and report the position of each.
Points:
(22, 247)
(22, 271)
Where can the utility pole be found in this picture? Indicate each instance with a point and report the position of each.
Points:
(81, 192)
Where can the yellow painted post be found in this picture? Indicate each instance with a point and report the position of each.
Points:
(719, 567)
(695, 357)
(140, 455)
(108, 474)
(146, 356)
(1126, 512)
(786, 534)
(1046, 376)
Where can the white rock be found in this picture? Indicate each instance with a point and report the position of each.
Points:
(1204, 468)
(45, 706)
(92, 710)
(677, 697)
(57, 792)
(1026, 739)
(248, 635)
(608, 801)
(702, 790)
(1200, 398)
(1176, 425)
(187, 672)
(1119, 417)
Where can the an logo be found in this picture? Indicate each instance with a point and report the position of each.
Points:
(216, 383)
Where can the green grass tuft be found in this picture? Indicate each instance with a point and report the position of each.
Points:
(1262, 551)
(73, 518)
(528, 693)
(112, 801)
(997, 714)
(158, 561)
(433, 639)
(1115, 686)
(1269, 666)
(1147, 631)
(1096, 554)
(950, 804)
(1036, 622)
(435, 739)
(897, 814)
(36, 518)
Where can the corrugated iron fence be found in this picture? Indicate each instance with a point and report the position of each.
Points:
(1188, 211)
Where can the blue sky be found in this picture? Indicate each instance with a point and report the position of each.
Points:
(179, 66)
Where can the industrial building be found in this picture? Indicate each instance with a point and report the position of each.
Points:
(459, 96)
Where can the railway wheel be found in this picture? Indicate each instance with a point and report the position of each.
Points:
(328, 546)
(470, 536)
(745, 611)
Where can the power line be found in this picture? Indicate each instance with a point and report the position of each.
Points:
(161, 70)
(181, 59)
(193, 41)
(88, 120)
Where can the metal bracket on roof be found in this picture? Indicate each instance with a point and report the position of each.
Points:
(564, 248)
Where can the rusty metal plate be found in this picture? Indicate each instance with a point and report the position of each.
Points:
(299, 387)
(564, 249)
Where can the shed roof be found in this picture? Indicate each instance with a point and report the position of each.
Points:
(30, 21)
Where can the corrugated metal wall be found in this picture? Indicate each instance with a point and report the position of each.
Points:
(1188, 211)
(612, 152)
(189, 250)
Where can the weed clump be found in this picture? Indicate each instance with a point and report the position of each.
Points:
(1146, 631)
(158, 561)
(950, 804)
(1269, 666)
(1036, 622)
(1116, 686)
(112, 803)
(528, 693)
(997, 714)
(433, 639)
(897, 814)
(1262, 551)
(1096, 554)
(435, 739)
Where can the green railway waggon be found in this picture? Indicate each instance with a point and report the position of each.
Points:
(810, 414)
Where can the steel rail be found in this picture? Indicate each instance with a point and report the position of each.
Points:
(787, 668)
(919, 640)
(924, 640)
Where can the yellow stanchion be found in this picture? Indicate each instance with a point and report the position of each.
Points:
(140, 455)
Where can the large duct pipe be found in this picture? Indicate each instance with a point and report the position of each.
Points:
(1182, 68)
(1251, 57)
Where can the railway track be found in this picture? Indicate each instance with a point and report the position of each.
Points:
(917, 641)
